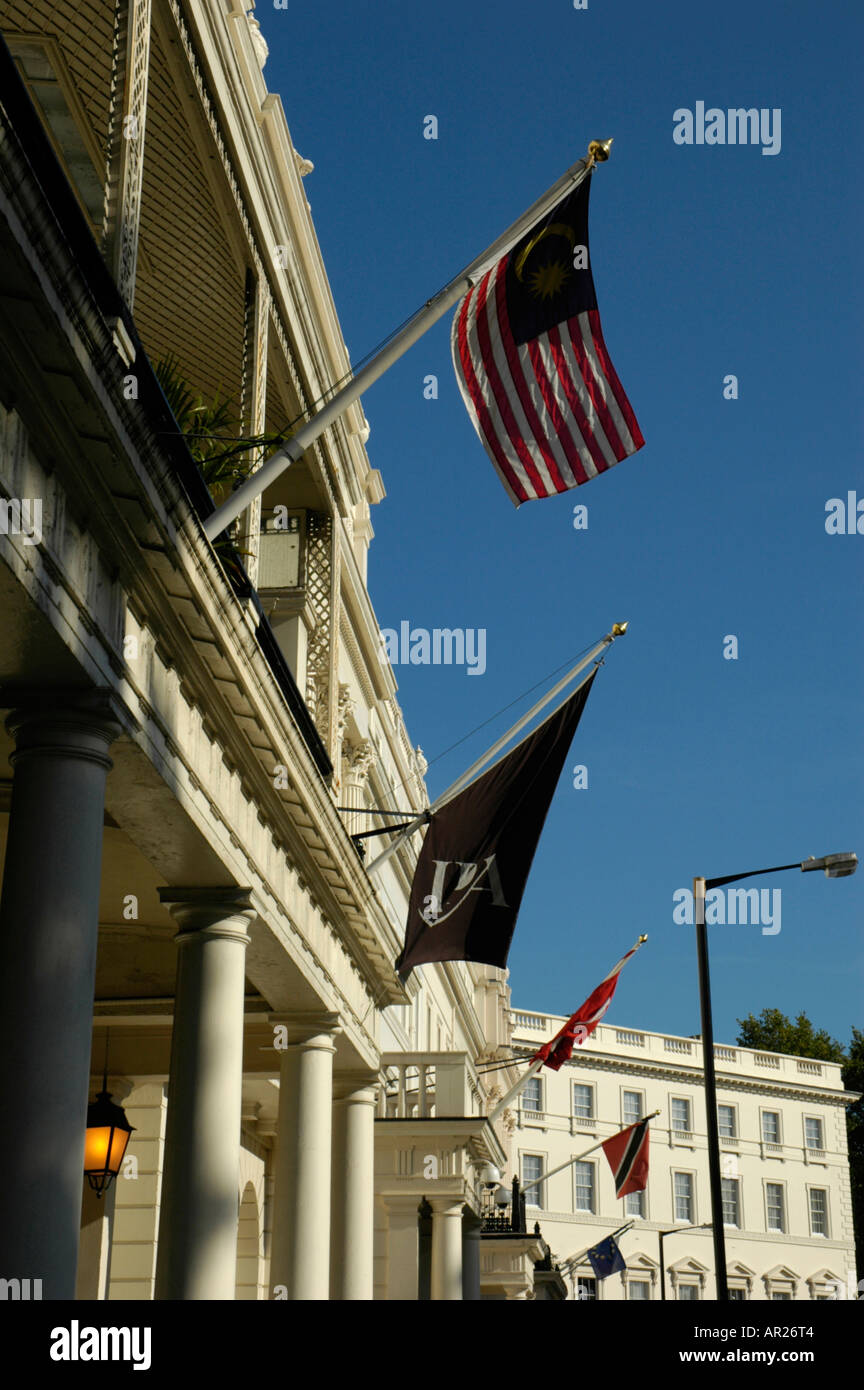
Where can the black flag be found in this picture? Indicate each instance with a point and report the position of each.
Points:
(475, 860)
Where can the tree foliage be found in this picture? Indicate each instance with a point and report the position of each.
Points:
(772, 1031)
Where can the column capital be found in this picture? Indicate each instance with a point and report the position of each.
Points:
(52, 722)
(446, 1206)
(217, 911)
(308, 1029)
(359, 1086)
(400, 1205)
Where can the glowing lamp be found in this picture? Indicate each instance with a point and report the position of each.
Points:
(108, 1133)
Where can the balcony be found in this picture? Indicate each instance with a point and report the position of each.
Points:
(428, 1086)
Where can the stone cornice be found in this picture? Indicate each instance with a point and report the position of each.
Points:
(693, 1076)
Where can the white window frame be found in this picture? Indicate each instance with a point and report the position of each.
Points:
(684, 1220)
(538, 1194)
(782, 1230)
(592, 1210)
(676, 1129)
(631, 1091)
(818, 1235)
(763, 1111)
(733, 1137)
(814, 1148)
(734, 1225)
(598, 1285)
(687, 1284)
(526, 1110)
(592, 1093)
(637, 1215)
(641, 1281)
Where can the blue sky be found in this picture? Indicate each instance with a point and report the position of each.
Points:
(707, 261)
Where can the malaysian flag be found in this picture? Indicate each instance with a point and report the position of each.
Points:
(532, 364)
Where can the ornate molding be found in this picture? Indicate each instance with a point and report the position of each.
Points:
(259, 43)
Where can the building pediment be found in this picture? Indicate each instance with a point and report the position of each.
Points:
(688, 1266)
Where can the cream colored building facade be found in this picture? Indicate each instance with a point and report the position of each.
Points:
(182, 902)
(787, 1204)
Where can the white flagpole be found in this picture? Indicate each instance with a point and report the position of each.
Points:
(569, 1164)
(461, 782)
(399, 344)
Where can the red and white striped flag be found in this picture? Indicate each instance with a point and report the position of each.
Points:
(532, 365)
(582, 1024)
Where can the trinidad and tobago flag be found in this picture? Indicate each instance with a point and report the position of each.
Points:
(627, 1153)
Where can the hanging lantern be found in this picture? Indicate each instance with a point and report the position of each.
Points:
(108, 1133)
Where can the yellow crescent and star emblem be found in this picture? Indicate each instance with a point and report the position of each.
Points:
(547, 280)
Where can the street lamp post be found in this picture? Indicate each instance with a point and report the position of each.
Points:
(834, 866)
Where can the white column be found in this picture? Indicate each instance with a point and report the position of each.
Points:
(49, 918)
(446, 1249)
(197, 1252)
(472, 1226)
(300, 1258)
(357, 759)
(403, 1248)
(352, 1232)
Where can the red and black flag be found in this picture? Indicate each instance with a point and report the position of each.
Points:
(532, 365)
(476, 856)
(627, 1153)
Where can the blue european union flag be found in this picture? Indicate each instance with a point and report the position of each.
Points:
(606, 1259)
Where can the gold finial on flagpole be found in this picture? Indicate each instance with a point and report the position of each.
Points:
(641, 939)
(618, 629)
(598, 151)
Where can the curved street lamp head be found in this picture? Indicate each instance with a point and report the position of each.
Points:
(835, 865)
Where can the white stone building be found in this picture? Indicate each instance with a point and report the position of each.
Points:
(182, 902)
(786, 1193)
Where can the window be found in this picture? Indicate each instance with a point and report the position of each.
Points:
(726, 1121)
(634, 1204)
(683, 1187)
(818, 1211)
(731, 1201)
(778, 1296)
(532, 1170)
(583, 1101)
(737, 1295)
(586, 1288)
(813, 1132)
(639, 1289)
(584, 1173)
(532, 1095)
(770, 1127)
(774, 1203)
(688, 1293)
(681, 1115)
(631, 1103)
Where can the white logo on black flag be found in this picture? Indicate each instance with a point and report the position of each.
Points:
(477, 854)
